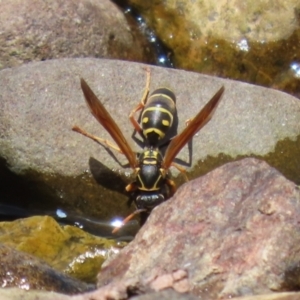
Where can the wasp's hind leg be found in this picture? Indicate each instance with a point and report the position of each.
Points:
(97, 139)
(141, 105)
(181, 170)
(172, 187)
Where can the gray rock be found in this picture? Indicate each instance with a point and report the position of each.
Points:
(17, 294)
(165, 295)
(275, 296)
(39, 30)
(235, 232)
(40, 102)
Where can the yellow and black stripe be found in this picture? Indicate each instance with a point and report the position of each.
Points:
(150, 175)
(158, 114)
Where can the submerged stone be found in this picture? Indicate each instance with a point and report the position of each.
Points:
(65, 248)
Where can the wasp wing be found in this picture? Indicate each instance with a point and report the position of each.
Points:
(178, 142)
(104, 118)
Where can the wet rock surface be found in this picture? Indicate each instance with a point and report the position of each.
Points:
(65, 248)
(251, 41)
(234, 232)
(90, 225)
(249, 20)
(40, 102)
(40, 30)
(24, 271)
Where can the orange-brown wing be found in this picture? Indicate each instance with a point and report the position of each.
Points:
(104, 118)
(195, 125)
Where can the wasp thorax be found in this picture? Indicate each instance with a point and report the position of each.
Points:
(150, 175)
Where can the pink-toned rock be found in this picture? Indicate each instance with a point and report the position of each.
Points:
(161, 287)
(17, 294)
(171, 295)
(234, 231)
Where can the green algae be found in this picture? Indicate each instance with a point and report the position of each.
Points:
(65, 248)
(285, 158)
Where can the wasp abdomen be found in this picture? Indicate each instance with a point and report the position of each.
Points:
(158, 115)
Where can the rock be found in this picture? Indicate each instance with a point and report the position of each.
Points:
(46, 239)
(253, 21)
(165, 295)
(40, 102)
(230, 39)
(276, 296)
(17, 294)
(27, 272)
(93, 226)
(101, 294)
(38, 30)
(127, 289)
(169, 294)
(235, 232)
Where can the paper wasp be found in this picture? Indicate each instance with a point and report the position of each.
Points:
(152, 183)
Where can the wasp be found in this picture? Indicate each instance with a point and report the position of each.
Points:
(152, 184)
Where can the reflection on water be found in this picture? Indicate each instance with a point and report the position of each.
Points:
(90, 225)
(295, 68)
(162, 53)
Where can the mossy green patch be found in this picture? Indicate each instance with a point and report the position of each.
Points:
(65, 248)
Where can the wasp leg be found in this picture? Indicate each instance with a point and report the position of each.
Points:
(188, 121)
(97, 139)
(141, 105)
(128, 218)
(172, 186)
(131, 187)
(180, 169)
